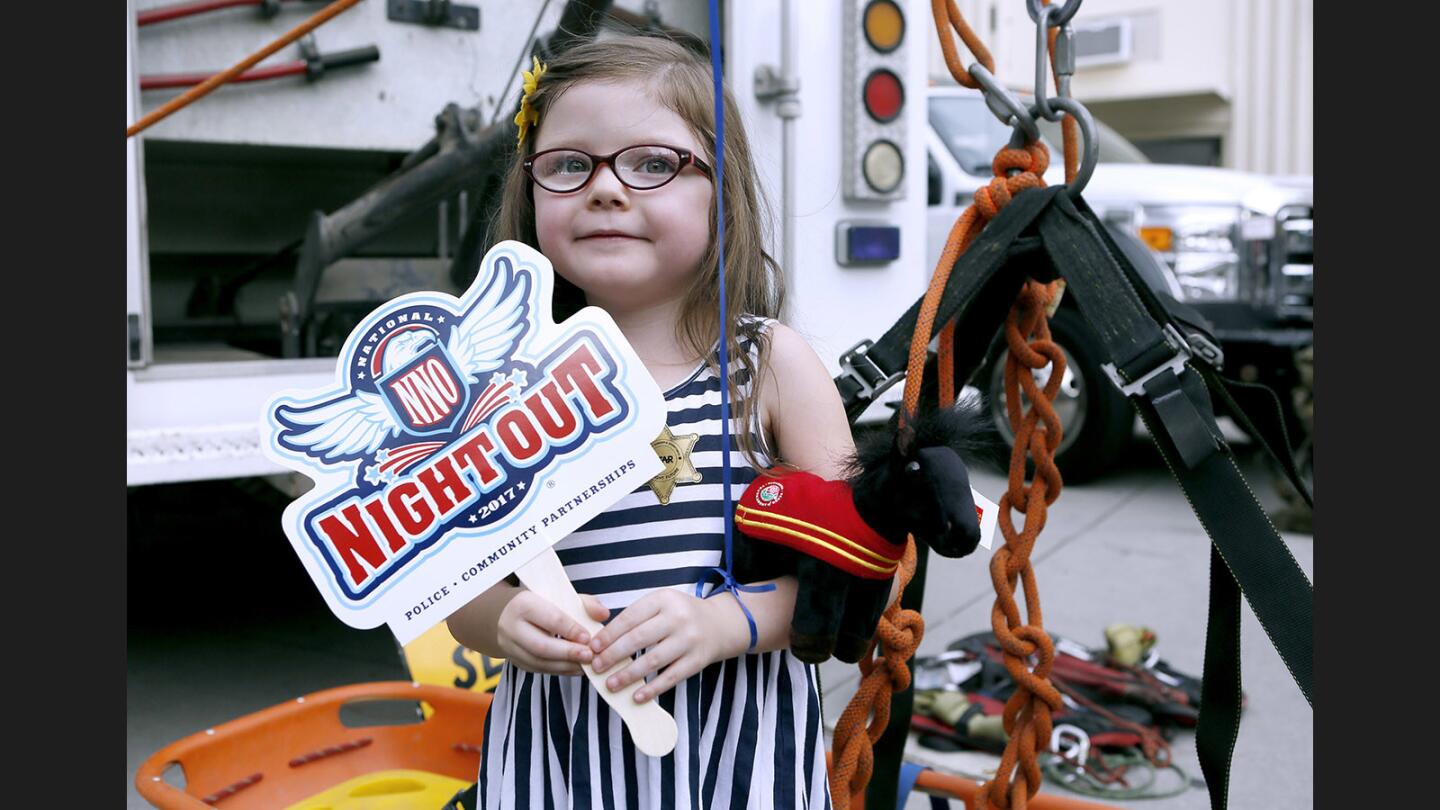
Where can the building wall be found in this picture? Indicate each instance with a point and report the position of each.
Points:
(1239, 72)
(1273, 129)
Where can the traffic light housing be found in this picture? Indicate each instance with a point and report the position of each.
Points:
(874, 127)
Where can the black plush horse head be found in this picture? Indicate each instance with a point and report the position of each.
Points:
(924, 489)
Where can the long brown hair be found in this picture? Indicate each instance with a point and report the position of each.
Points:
(680, 79)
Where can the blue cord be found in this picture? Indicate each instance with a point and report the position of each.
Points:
(727, 576)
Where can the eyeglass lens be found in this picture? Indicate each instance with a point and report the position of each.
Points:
(640, 167)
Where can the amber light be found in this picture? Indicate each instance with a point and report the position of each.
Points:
(884, 25)
(1158, 238)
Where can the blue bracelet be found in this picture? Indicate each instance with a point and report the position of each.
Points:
(729, 584)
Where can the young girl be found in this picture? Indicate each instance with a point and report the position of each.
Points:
(614, 184)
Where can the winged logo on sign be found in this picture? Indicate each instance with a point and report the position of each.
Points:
(408, 381)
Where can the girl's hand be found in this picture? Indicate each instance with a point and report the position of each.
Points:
(684, 634)
(540, 637)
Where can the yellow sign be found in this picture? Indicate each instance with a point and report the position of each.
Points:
(437, 658)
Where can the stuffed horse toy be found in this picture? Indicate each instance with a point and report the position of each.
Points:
(843, 540)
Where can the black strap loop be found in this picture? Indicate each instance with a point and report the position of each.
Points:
(982, 285)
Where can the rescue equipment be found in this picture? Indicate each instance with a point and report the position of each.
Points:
(204, 88)
(300, 752)
(150, 16)
(1111, 736)
(312, 67)
(1159, 359)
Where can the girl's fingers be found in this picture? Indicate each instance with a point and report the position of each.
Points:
(554, 621)
(547, 667)
(558, 622)
(541, 643)
(655, 658)
(595, 608)
(629, 618)
(647, 634)
(665, 681)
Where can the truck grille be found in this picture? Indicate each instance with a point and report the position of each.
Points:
(1294, 261)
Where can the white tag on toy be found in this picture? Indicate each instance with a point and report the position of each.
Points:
(989, 514)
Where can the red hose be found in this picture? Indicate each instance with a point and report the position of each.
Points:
(164, 13)
(199, 91)
(192, 79)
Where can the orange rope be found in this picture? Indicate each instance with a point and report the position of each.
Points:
(1037, 433)
(1069, 127)
(945, 14)
(899, 634)
(945, 365)
(900, 630)
(1029, 163)
(200, 90)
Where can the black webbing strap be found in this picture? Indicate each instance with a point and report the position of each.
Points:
(977, 291)
(1147, 357)
(1172, 398)
(1257, 409)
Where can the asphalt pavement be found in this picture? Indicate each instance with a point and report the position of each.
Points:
(1126, 548)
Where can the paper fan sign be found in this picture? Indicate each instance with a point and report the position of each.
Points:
(460, 440)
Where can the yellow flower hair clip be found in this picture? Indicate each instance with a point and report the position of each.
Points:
(527, 117)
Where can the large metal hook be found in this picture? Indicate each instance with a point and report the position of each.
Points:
(1006, 106)
(1089, 142)
(1036, 8)
(1064, 58)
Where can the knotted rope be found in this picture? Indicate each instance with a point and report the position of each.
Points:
(1037, 434)
(900, 630)
(899, 633)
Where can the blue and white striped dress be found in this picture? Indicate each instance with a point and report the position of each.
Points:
(750, 727)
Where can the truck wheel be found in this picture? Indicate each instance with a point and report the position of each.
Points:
(1098, 420)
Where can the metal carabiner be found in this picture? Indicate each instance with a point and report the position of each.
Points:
(1090, 144)
(1064, 60)
(1006, 106)
(1066, 12)
(1042, 52)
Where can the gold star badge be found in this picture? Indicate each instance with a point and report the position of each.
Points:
(674, 451)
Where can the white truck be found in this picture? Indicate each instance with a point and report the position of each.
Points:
(1238, 247)
(263, 220)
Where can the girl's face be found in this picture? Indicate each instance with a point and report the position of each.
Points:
(664, 231)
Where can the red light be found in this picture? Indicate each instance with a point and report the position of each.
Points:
(884, 96)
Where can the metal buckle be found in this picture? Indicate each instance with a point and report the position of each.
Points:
(1175, 364)
(1206, 350)
(870, 377)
